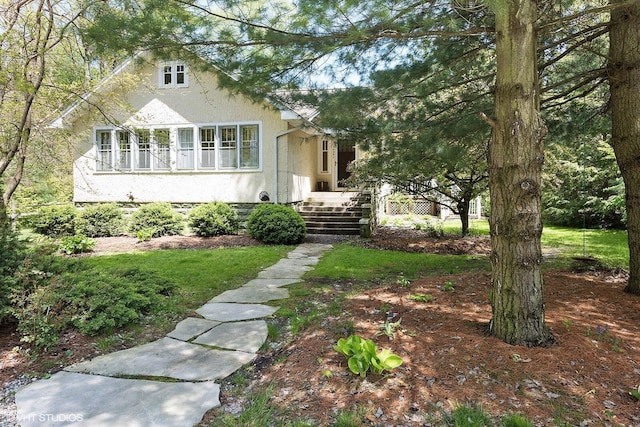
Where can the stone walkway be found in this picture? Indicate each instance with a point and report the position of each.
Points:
(171, 381)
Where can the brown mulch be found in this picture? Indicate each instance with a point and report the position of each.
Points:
(449, 359)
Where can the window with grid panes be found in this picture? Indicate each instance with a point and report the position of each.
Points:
(208, 147)
(228, 147)
(104, 150)
(143, 159)
(162, 142)
(249, 151)
(186, 152)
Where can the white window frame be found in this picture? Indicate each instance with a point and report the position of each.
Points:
(162, 148)
(228, 152)
(324, 157)
(124, 149)
(186, 148)
(249, 143)
(161, 153)
(143, 158)
(173, 71)
(207, 147)
(104, 153)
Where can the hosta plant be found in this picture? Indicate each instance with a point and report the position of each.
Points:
(363, 355)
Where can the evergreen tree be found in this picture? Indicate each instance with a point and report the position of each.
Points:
(624, 80)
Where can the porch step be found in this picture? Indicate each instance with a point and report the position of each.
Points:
(333, 212)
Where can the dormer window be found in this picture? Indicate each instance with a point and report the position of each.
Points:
(173, 74)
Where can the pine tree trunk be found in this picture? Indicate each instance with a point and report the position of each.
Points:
(463, 211)
(624, 82)
(515, 163)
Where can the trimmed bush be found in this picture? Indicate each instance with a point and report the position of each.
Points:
(277, 224)
(159, 217)
(214, 219)
(55, 221)
(103, 220)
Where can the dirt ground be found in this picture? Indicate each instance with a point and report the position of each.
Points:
(583, 379)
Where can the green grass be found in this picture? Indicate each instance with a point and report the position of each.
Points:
(200, 274)
(609, 247)
(350, 262)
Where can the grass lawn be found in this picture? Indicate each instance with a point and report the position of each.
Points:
(199, 274)
(610, 247)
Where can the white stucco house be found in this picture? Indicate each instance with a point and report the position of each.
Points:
(164, 131)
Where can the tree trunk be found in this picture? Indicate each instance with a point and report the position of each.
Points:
(463, 211)
(624, 82)
(515, 162)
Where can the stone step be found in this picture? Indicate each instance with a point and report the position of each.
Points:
(344, 231)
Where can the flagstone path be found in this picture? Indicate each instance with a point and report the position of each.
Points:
(172, 381)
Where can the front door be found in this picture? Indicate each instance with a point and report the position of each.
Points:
(346, 155)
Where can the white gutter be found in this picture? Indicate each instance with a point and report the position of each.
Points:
(278, 135)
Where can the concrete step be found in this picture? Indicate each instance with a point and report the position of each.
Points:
(341, 231)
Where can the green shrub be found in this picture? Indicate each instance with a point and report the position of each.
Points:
(90, 301)
(276, 224)
(103, 220)
(77, 244)
(55, 221)
(214, 219)
(157, 216)
(12, 254)
(101, 302)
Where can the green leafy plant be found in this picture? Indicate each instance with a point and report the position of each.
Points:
(389, 329)
(77, 244)
(363, 355)
(55, 221)
(157, 216)
(403, 281)
(146, 234)
(213, 219)
(101, 220)
(421, 297)
(448, 286)
(635, 393)
(276, 224)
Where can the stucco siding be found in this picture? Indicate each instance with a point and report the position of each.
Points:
(200, 104)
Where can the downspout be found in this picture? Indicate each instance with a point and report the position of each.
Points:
(277, 137)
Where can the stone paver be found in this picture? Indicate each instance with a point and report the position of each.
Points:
(168, 358)
(105, 391)
(89, 400)
(270, 283)
(242, 336)
(251, 294)
(231, 312)
(192, 327)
